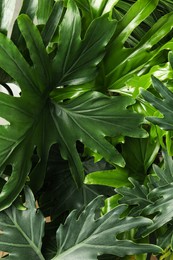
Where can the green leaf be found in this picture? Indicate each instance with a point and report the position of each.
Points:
(154, 199)
(37, 51)
(161, 208)
(76, 59)
(163, 72)
(95, 8)
(95, 236)
(163, 103)
(44, 10)
(22, 230)
(134, 196)
(135, 15)
(29, 7)
(114, 178)
(124, 63)
(35, 121)
(61, 194)
(165, 173)
(52, 23)
(108, 115)
(139, 155)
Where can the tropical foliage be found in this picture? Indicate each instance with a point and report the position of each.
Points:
(86, 168)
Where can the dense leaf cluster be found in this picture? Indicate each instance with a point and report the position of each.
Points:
(86, 169)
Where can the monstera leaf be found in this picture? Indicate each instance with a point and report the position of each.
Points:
(95, 236)
(35, 120)
(22, 230)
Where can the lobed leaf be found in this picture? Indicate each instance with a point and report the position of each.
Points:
(108, 115)
(163, 103)
(76, 59)
(95, 236)
(122, 64)
(39, 118)
(22, 230)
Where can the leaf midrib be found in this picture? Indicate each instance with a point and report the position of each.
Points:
(30, 242)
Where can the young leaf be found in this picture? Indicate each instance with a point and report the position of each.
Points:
(95, 236)
(22, 230)
(113, 178)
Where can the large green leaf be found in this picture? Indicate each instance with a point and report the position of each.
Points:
(95, 236)
(22, 230)
(35, 120)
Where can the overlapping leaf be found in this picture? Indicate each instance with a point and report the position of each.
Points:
(136, 196)
(76, 59)
(139, 155)
(60, 192)
(154, 200)
(35, 120)
(96, 236)
(22, 230)
(163, 103)
(162, 207)
(108, 115)
(123, 63)
(94, 9)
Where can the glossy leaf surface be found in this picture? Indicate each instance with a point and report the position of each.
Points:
(35, 120)
(113, 178)
(76, 59)
(108, 115)
(96, 236)
(22, 230)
